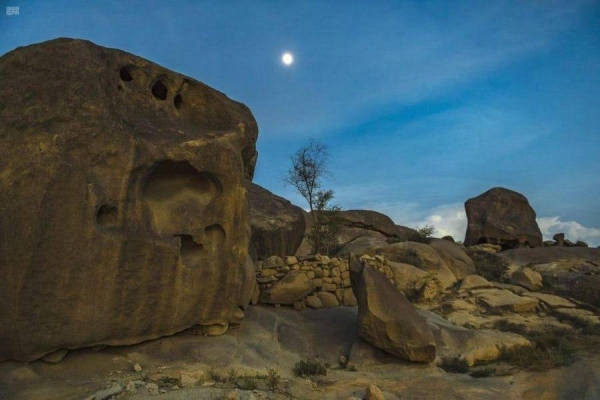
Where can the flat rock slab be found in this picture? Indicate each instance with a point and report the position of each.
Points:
(504, 300)
(470, 345)
(551, 300)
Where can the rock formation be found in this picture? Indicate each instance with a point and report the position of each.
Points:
(123, 212)
(277, 225)
(386, 319)
(358, 230)
(504, 217)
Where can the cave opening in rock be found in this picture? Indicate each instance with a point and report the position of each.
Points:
(125, 74)
(177, 101)
(107, 216)
(191, 252)
(176, 195)
(159, 90)
(170, 178)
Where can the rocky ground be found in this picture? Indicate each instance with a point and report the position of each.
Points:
(257, 361)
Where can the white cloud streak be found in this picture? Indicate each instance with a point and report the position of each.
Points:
(573, 230)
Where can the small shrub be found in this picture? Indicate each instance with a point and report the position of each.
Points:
(455, 365)
(309, 368)
(167, 382)
(490, 266)
(551, 349)
(483, 372)
(247, 383)
(273, 378)
(425, 233)
(591, 329)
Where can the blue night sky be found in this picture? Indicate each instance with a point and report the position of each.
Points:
(422, 103)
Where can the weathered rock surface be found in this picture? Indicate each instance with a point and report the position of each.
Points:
(123, 212)
(475, 282)
(362, 244)
(368, 220)
(277, 225)
(500, 300)
(293, 287)
(454, 256)
(502, 216)
(472, 346)
(421, 256)
(527, 278)
(572, 272)
(398, 330)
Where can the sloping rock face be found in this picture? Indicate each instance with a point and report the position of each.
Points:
(421, 256)
(123, 212)
(455, 257)
(277, 225)
(386, 319)
(368, 220)
(504, 217)
(293, 287)
(572, 272)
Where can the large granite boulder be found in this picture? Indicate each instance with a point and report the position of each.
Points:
(277, 225)
(386, 319)
(368, 220)
(455, 257)
(421, 256)
(123, 211)
(358, 230)
(504, 217)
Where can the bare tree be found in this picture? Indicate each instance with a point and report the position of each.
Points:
(309, 167)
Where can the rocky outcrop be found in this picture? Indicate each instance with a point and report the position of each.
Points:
(359, 230)
(293, 287)
(396, 329)
(573, 272)
(454, 256)
(277, 225)
(421, 256)
(124, 215)
(504, 217)
(469, 345)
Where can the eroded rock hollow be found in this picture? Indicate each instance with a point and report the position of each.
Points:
(123, 215)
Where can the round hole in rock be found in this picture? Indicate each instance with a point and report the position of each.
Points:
(159, 90)
(191, 252)
(177, 101)
(107, 216)
(125, 74)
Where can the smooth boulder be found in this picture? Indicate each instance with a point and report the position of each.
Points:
(277, 225)
(421, 256)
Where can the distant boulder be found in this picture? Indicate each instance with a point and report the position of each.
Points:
(504, 217)
(277, 225)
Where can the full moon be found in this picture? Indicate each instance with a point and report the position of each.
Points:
(287, 58)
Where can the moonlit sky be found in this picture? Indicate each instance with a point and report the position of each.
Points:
(423, 104)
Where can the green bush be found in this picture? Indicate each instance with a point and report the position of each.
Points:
(488, 265)
(309, 368)
(425, 233)
(483, 372)
(455, 365)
